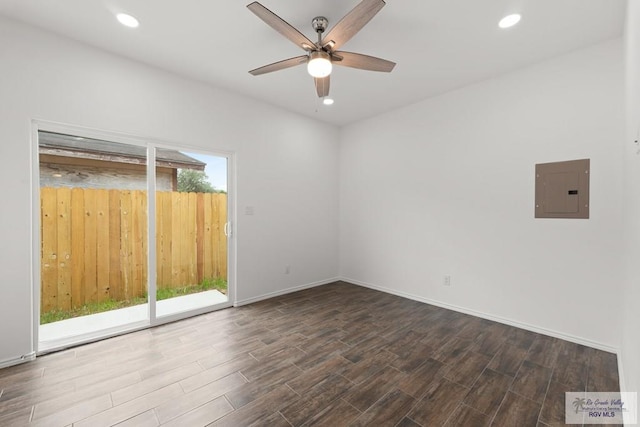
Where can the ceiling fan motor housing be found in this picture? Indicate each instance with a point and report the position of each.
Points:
(320, 24)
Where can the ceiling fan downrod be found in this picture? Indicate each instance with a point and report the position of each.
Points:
(320, 24)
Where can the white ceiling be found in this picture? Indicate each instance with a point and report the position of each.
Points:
(439, 45)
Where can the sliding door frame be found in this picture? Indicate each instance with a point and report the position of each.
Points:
(151, 145)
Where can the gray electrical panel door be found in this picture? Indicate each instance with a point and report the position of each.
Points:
(562, 189)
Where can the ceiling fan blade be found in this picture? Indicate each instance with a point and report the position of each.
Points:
(362, 62)
(281, 26)
(352, 23)
(280, 65)
(322, 86)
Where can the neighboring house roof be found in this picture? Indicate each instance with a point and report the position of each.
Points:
(57, 144)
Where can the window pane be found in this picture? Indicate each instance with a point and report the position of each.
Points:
(93, 233)
(191, 213)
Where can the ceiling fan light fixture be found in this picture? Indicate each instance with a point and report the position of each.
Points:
(509, 21)
(127, 20)
(319, 64)
(327, 101)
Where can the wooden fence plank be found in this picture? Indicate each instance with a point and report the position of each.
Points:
(159, 239)
(208, 236)
(139, 244)
(90, 247)
(63, 218)
(222, 241)
(140, 227)
(116, 290)
(126, 243)
(215, 234)
(103, 259)
(191, 242)
(165, 228)
(200, 237)
(77, 247)
(176, 223)
(49, 238)
(184, 243)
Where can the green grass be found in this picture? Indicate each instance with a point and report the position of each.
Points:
(206, 285)
(90, 308)
(108, 305)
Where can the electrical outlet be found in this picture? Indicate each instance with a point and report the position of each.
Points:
(447, 280)
(287, 269)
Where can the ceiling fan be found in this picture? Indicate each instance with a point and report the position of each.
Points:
(322, 54)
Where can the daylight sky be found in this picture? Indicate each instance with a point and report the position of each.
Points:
(216, 169)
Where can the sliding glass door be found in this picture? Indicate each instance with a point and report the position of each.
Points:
(101, 255)
(191, 218)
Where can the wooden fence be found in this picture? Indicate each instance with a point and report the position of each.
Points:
(94, 243)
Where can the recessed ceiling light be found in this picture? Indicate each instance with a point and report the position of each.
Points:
(509, 21)
(127, 20)
(327, 101)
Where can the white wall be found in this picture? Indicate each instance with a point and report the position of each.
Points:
(287, 165)
(446, 186)
(631, 294)
(440, 187)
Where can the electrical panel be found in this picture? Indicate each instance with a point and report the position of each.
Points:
(562, 189)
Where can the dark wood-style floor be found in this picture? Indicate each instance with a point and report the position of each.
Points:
(334, 355)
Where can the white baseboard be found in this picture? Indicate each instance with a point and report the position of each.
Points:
(510, 322)
(283, 292)
(11, 362)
